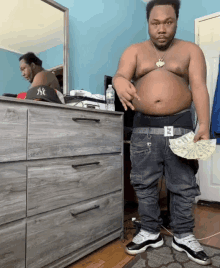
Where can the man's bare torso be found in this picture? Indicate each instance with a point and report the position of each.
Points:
(163, 91)
(49, 79)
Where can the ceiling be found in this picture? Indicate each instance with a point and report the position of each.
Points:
(30, 25)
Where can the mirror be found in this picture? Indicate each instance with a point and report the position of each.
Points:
(39, 26)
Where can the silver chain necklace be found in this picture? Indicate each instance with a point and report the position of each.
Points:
(161, 62)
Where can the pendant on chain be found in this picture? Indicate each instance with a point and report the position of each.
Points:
(160, 63)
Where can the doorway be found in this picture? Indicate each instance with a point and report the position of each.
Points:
(208, 38)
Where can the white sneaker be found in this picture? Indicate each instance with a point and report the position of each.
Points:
(143, 235)
(192, 248)
(142, 241)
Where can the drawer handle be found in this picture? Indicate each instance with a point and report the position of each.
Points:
(87, 164)
(90, 119)
(85, 210)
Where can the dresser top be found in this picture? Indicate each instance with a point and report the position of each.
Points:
(54, 105)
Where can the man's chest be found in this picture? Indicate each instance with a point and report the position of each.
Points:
(176, 62)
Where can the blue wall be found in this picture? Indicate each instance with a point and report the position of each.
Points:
(52, 57)
(10, 75)
(100, 30)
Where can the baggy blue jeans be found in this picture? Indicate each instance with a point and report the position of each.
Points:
(151, 157)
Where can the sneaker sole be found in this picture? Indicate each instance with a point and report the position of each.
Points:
(135, 252)
(190, 257)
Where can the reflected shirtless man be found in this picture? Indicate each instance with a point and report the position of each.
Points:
(162, 68)
(31, 69)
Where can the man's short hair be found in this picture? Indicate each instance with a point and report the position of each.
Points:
(174, 3)
(31, 57)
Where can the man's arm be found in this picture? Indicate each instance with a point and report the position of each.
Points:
(197, 79)
(121, 81)
(127, 64)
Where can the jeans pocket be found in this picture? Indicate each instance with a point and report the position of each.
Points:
(139, 142)
(193, 163)
(139, 161)
(138, 155)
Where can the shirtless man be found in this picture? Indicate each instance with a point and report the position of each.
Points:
(162, 68)
(31, 69)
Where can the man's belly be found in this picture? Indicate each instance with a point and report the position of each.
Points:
(162, 93)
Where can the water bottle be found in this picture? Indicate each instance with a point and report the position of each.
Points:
(110, 98)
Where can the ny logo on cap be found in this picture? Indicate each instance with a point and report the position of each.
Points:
(41, 91)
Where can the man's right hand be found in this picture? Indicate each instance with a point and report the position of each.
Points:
(126, 93)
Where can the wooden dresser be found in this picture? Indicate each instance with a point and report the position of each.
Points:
(61, 182)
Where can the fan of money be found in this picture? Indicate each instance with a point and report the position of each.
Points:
(186, 148)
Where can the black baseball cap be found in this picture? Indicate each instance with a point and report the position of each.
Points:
(43, 92)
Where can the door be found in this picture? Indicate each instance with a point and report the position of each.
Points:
(208, 38)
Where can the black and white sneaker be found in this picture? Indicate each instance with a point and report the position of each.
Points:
(142, 241)
(193, 249)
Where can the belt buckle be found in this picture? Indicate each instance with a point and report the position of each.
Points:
(168, 131)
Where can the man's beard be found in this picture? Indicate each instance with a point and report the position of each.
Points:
(164, 47)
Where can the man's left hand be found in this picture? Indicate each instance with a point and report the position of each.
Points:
(203, 134)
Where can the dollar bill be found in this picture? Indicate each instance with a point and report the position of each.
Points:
(186, 148)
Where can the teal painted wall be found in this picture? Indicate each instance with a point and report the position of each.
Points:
(100, 30)
(10, 75)
(52, 57)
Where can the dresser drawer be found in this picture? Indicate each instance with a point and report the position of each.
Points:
(12, 192)
(61, 232)
(13, 134)
(57, 183)
(68, 132)
(12, 245)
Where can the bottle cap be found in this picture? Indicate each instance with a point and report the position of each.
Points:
(109, 85)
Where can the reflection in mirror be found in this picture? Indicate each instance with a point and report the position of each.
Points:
(38, 26)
